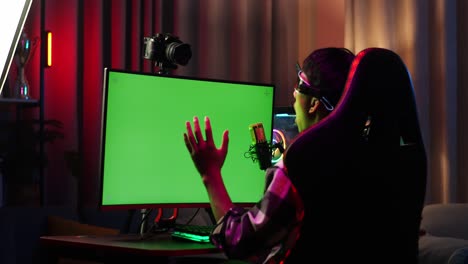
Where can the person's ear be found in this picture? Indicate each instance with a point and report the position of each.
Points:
(314, 105)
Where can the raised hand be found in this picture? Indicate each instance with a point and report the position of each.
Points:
(207, 158)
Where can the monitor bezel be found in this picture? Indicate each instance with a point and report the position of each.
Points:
(108, 207)
(277, 110)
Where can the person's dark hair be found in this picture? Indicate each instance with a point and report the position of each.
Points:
(327, 69)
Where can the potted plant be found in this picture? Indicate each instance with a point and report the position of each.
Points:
(21, 158)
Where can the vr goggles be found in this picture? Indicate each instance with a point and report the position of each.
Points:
(303, 86)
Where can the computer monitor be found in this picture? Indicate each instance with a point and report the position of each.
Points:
(13, 14)
(284, 130)
(144, 160)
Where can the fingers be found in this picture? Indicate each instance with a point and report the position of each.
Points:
(187, 142)
(190, 141)
(208, 131)
(196, 127)
(195, 137)
(224, 144)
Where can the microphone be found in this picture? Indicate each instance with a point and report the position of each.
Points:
(262, 147)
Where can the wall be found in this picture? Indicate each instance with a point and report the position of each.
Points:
(240, 40)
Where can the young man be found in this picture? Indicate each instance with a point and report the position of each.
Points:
(266, 232)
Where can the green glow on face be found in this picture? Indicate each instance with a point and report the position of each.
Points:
(146, 161)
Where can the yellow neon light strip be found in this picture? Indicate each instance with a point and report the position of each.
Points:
(49, 49)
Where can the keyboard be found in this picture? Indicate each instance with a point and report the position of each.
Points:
(197, 233)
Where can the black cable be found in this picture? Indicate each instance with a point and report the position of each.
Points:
(145, 217)
(193, 216)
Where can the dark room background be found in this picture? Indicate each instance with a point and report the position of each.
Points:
(254, 41)
(244, 40)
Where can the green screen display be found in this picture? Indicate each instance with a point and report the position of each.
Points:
(144, 161)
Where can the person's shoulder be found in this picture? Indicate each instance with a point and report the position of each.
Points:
(278, 170)
(277, 167)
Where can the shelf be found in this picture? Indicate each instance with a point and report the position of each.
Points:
(19, 101)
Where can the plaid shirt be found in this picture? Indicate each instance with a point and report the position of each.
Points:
(266, 232)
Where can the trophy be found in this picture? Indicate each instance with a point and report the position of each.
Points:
(22, 54)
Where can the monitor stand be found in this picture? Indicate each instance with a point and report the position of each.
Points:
(159, 221)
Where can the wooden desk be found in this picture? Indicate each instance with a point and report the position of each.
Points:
(120, 248)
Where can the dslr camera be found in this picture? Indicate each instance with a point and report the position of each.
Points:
(166, 51)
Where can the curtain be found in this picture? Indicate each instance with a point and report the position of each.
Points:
(256, 41)
(430, 36)
(242, 40)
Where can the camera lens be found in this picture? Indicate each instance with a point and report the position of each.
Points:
(179, 53)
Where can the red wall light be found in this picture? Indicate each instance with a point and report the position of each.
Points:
(48, 49)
